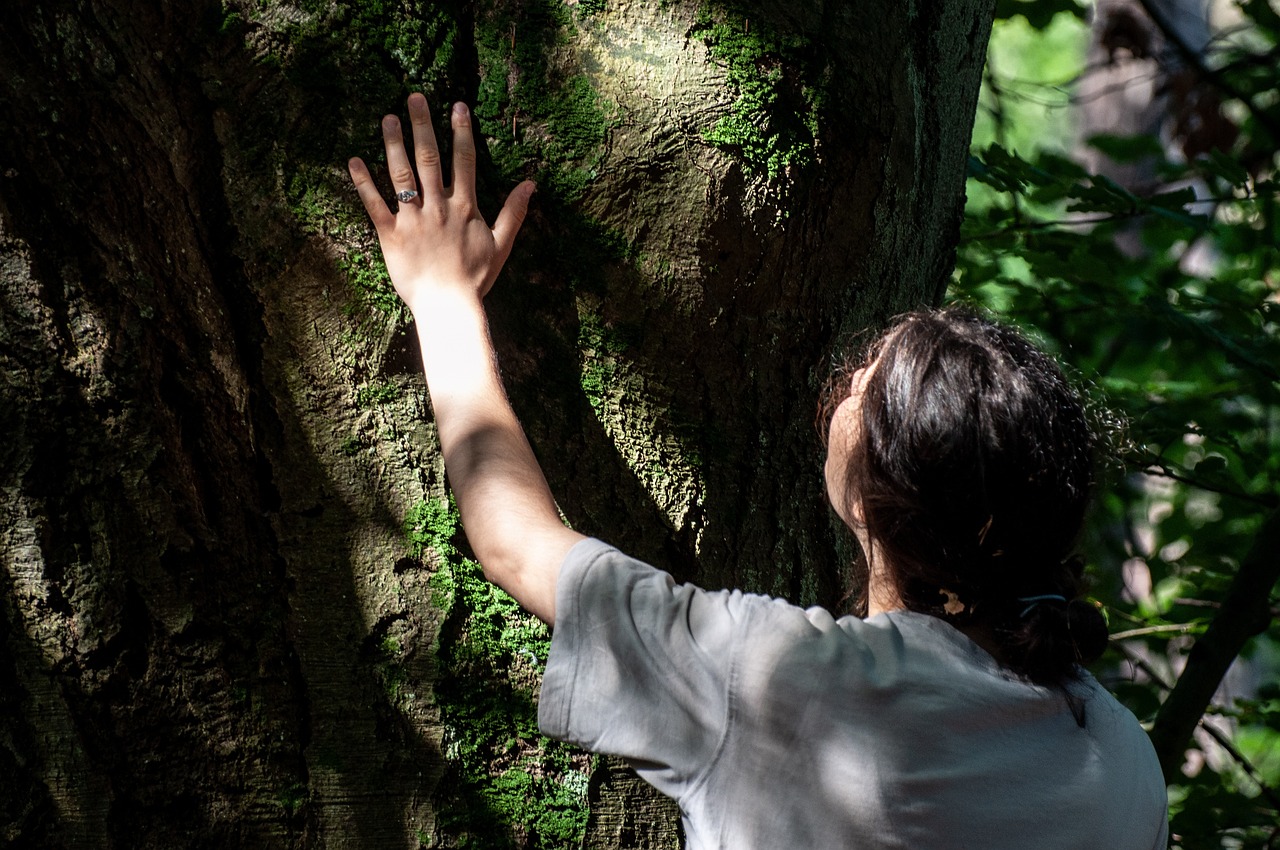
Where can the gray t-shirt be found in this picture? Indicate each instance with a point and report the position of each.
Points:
(773, 726)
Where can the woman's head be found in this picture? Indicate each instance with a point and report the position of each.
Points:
(966, 459)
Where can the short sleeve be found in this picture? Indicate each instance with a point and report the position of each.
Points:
(640, 666)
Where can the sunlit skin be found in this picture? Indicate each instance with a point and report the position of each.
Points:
(443, 259)
(841, 436)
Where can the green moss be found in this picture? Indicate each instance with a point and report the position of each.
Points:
(506, 785)
(395, 678)
(376, 393)
(291, 798)
(319, 208)
(355, 60)
(600, 345)
(338, 44)
(779, 89)
(542, 122)
(371, 285)
(232, 22)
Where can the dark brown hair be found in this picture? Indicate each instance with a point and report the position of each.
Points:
(972, 468)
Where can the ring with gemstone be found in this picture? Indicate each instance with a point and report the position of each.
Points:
(406, 195)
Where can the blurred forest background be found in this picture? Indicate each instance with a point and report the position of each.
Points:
(1122, 206)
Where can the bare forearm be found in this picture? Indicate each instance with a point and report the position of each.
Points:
(507, 508)
(443, 257)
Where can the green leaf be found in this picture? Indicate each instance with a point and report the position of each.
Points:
(1228, 168)
(1127, 148)
(1263, 15)
(1238, 350)
(1103, 195)
(1039, 13)
(1176, 199)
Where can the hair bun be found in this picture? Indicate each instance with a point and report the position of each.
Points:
(1046, 641)
(1088, 629)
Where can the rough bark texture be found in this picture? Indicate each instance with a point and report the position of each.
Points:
(232, 610)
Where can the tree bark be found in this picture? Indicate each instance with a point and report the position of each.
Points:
(217, 629)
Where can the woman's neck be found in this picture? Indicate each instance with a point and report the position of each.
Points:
(882, 595)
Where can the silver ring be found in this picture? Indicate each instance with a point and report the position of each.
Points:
(405, 195)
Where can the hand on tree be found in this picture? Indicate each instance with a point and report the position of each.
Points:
(443, 258)
(437, 242)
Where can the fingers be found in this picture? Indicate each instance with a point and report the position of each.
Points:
(464, 155)
(373, 203)
(402, 179)
(427, 155)
(425, 149)
(510, 219)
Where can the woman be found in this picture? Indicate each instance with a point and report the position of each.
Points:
(954, 715)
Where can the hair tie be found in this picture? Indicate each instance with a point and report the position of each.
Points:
(1033, 601)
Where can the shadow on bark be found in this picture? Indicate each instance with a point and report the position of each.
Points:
(202, 612)
(185, 681)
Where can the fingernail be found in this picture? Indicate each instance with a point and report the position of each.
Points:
(460, 109)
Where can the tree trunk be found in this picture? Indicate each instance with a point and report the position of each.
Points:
(233, 610)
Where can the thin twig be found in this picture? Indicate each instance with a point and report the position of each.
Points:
(1240, 759)
(1213, 732)
(1159, 470)
(1050, 223)
(1169, 628)
(1197, 603)
(1141, 663)
(1116, 612)
(1047, 224)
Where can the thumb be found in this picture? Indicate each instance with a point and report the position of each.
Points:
(511, 217)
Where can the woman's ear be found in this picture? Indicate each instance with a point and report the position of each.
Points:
(840, 444)
(842, 438)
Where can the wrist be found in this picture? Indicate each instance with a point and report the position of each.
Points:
(430, 302)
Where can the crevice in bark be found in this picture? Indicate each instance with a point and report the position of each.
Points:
(216, 516)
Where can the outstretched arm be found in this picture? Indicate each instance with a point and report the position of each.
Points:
(443, 258)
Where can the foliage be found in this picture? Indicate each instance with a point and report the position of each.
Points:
(506, 785)
(600, 345)
(1168, 302)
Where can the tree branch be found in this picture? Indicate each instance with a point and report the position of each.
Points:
(1164, 629)
(1157, 469)
(1212, 731)
(1194, 58)
(1239, 758)
(1245, 612)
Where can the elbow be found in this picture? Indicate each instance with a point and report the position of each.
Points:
(500, 561)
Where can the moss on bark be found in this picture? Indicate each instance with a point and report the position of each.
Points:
(505, 785)
(217, 631)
